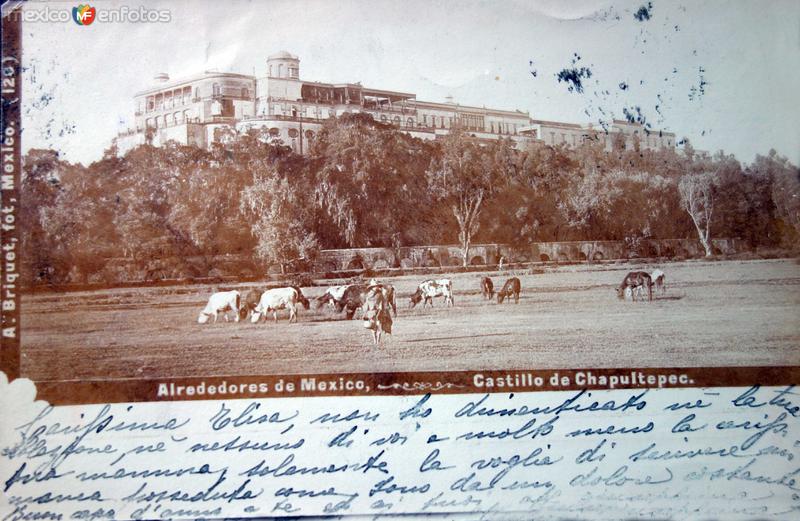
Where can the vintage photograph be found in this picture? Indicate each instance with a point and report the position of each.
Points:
(282, 187)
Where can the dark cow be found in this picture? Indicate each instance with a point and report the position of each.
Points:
(301, 298)
(487, 288)
(659, 280)
(376, 311)
(389, 297)
(249, 303)
(512, 287)
(352, 299)
(636, 280)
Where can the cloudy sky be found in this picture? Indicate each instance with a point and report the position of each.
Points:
(724, 74)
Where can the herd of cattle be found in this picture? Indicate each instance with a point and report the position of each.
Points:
(378, 302)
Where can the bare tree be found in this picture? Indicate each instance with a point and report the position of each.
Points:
(278, 219)
(464, 178)
(697, 198)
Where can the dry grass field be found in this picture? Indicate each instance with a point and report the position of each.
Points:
(713, 314)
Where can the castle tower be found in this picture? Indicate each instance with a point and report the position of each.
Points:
(283, 65)
(280, 82)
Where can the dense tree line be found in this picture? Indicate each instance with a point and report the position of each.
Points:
(177, 210)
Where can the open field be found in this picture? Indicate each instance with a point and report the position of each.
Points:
(713, 314)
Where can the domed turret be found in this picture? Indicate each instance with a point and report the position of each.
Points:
(283, 65)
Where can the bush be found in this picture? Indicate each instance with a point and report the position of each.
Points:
(301, 280)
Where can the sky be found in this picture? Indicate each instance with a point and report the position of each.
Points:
(723, 74)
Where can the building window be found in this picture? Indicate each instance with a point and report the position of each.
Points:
(384, 119)
(410, 122)
(309, 134)
(293, 133)
(245, 93)
(215, 91)
(150, 104)
(274, 132)
(552, 138)
(148, 123)
(177, 117)
(425, 119)
(397, 120)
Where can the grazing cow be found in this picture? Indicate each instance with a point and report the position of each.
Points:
(637, 281)
(632, 293)
(512, 287)
(430, 289)
(301, 298)
(332, 295)
(389, 295)
(376, 311)
(277, 299)
(352, 299)
(250, 302)
(487, 288)
(659, 280)
(221, 302)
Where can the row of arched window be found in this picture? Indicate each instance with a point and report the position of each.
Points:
(167, 120)
(183, 96)
(168, 100)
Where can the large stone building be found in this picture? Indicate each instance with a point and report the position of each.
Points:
(200, 109)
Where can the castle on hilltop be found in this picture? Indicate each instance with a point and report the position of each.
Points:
(199, 109)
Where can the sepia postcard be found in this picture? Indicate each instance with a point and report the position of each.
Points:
(384, 259)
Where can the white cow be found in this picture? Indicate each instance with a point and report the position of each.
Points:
(277, 299)
(223, 302)
(433, 288)
(332, 295)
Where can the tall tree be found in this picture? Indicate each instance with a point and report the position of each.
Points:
(370, 184)
(279, 218)
(697, 198)
(464, 177)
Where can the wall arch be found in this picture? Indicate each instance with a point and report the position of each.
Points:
(355, 264)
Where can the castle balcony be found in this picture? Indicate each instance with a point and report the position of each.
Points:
(281, 117)
(230, 120)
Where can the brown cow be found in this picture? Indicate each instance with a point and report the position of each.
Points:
(376, 311)
(487, 288)
(635, 280)
(512, 287)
